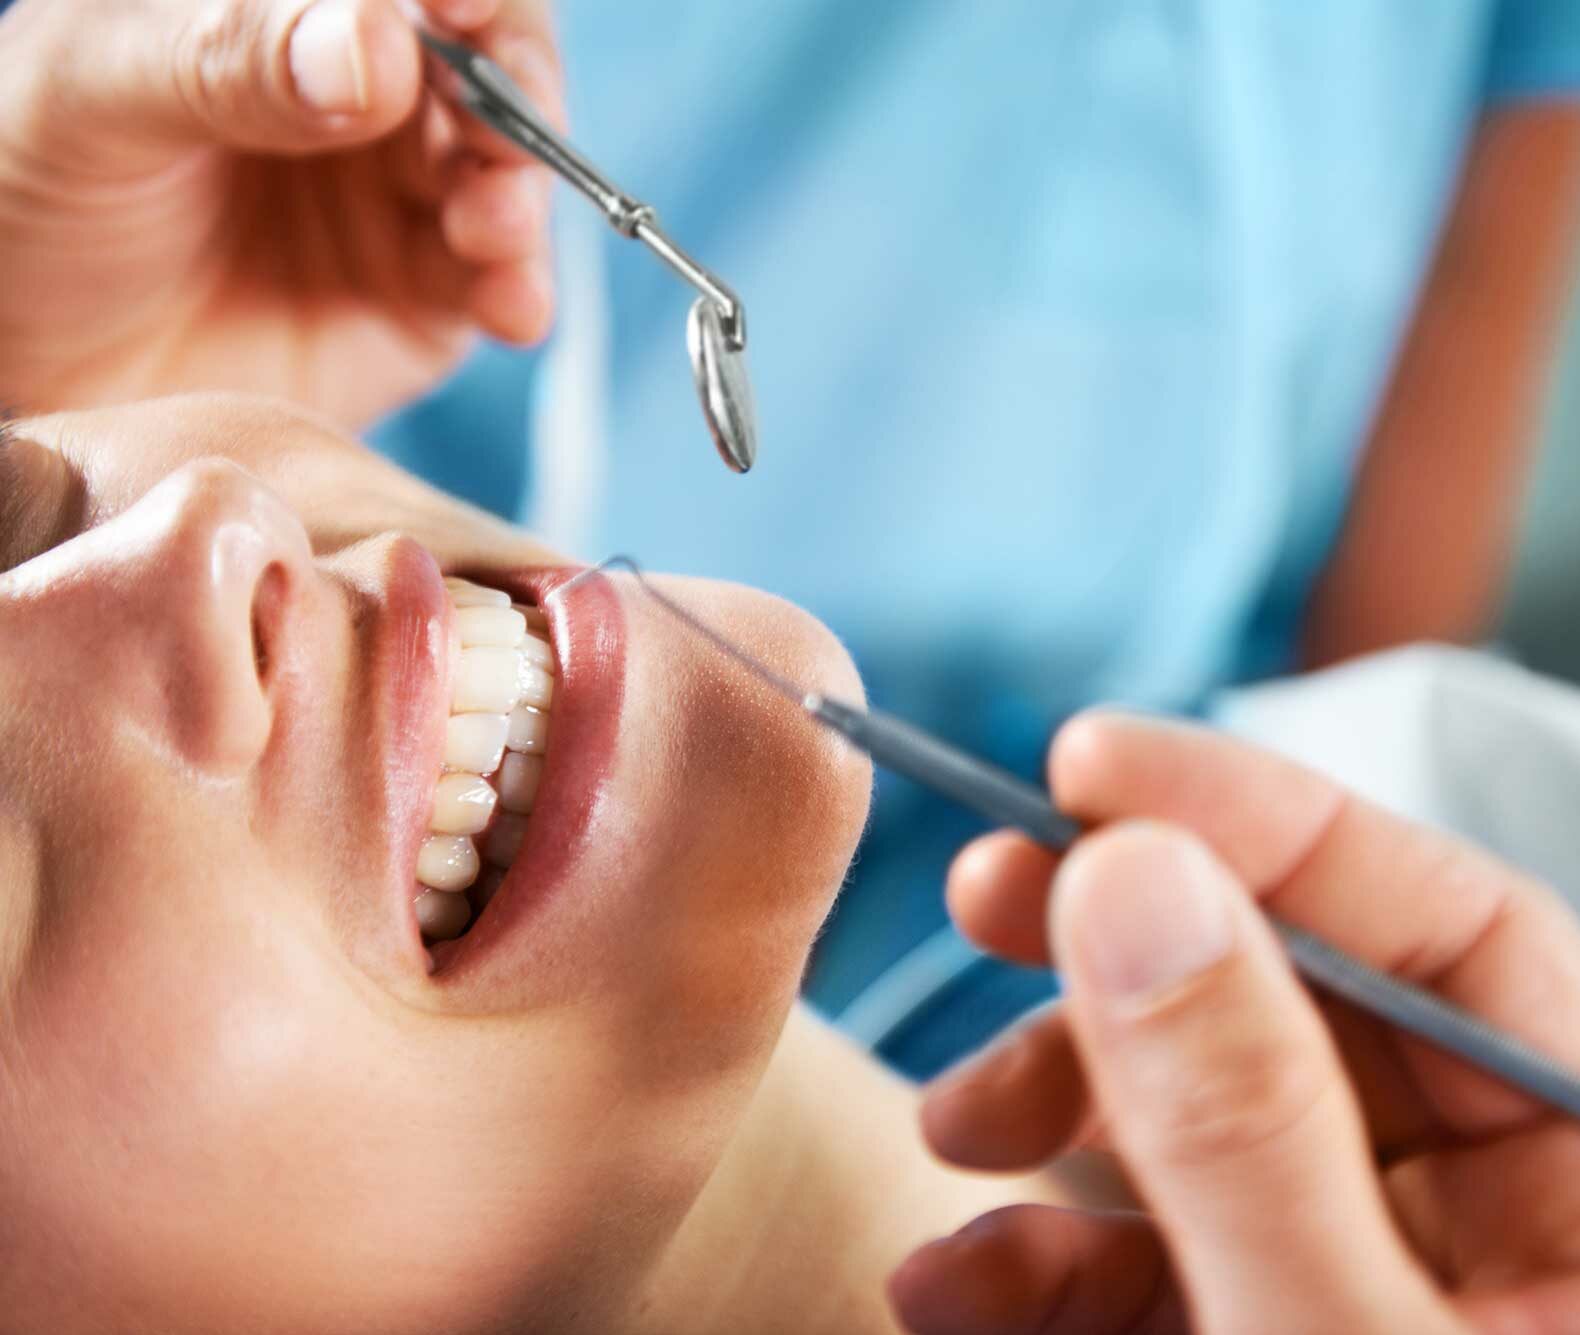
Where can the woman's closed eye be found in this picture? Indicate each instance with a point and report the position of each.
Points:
(43, 499)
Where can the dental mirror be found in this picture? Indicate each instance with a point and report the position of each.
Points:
(719, 369)
(716, 327)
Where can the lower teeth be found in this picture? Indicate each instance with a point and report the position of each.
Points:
(495, 741)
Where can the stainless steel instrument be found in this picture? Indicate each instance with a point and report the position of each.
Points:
(716, 325)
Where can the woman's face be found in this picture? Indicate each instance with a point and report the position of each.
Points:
(235, 1091)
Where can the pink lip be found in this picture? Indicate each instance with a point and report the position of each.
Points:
(408, 677)
(588, 630)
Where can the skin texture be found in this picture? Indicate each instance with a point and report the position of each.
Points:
(1306, 1168)
(174, 215)
(205, 1054)
(1434, 517)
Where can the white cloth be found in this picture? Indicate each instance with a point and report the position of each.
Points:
(1463, 740)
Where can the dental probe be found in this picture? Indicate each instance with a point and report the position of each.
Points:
(716, 323)
(1002, 798)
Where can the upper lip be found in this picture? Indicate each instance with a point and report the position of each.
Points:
(404, 683)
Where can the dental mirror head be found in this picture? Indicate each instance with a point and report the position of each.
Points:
(719, 368)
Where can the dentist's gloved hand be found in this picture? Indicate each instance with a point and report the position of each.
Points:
(1306, 1168)
(258, 195)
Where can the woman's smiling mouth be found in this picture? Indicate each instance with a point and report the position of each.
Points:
(504, 819)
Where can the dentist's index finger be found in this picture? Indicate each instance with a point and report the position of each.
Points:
(492, 197)
(1410, 900)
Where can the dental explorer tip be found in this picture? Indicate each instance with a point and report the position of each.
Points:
(783, 685)
(588, 572)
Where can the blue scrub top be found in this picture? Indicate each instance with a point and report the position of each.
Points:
(1067, 321)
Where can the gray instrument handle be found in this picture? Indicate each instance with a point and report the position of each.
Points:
(1006, 800)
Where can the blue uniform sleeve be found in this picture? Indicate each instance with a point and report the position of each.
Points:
(1535, 50)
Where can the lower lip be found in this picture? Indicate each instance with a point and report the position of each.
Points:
(588, 630)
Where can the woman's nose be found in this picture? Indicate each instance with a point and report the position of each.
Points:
(225, 564)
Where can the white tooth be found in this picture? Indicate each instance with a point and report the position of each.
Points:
(534, 686)
(441, 915)
(504, 839)
(447, 862)
(488, 882)
(528, 730)
(518, 780)
(462, 804)
(487, 681)
(537, 618)
(463, 593)
(489, 625)
(474, 742)
(537, 651)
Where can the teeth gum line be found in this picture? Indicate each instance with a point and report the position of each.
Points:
(494, 744)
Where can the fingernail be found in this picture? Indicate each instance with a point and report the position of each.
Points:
(1148, 909)
(326, 58)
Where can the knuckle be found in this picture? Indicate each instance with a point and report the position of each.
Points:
(210, 56)
(1251, 1103)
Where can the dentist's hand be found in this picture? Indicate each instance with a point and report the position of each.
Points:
(258, 195)
(1306, 1168)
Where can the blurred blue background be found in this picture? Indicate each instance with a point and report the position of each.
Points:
(1542, 623)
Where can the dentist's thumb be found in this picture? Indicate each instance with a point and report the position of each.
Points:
(268, 76)
(1225, 1096)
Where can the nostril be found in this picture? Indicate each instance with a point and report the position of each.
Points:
(268, 600)
(260, 651)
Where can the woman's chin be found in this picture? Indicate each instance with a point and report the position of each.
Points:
(751, 841)
(694, 826)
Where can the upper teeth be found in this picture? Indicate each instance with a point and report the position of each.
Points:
(498, 729)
